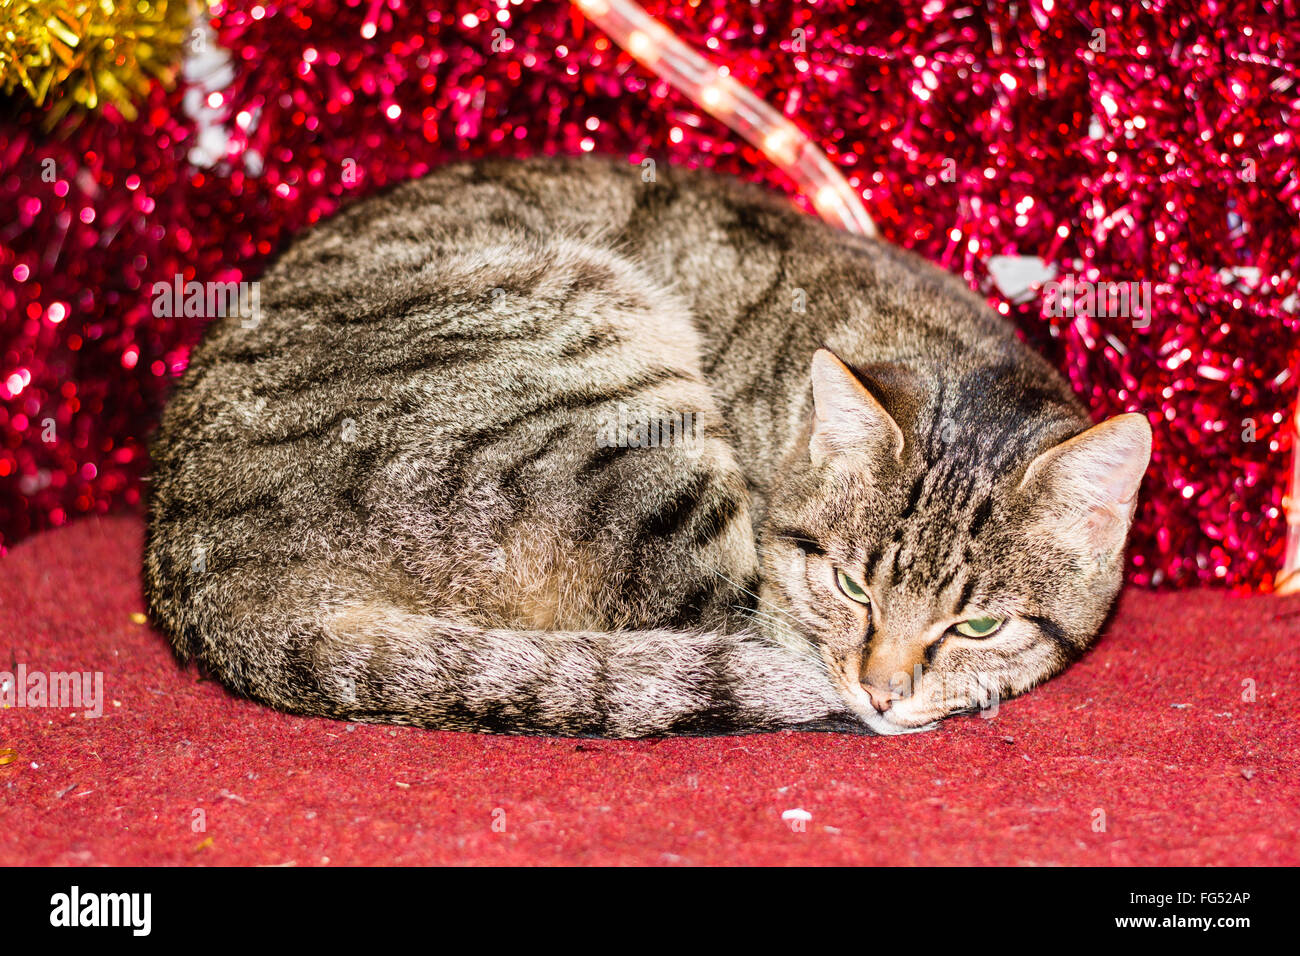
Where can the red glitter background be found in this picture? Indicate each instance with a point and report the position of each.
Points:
(1138, 143)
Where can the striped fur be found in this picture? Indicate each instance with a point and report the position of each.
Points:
(390, 500)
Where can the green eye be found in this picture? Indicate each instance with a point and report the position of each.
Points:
(851, 588)
(979, 626)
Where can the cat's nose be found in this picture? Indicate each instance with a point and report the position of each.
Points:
(880, 699)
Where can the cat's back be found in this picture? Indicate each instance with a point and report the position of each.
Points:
(485, 303)
(413, 294)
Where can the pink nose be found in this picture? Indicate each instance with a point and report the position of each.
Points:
(880, 699)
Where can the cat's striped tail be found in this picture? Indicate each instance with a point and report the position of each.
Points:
(375, 662)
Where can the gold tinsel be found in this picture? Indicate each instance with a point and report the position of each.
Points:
(89, 52)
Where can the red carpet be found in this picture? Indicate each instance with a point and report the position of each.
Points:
(1150, 729)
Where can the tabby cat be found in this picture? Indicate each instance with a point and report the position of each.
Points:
(560, 447)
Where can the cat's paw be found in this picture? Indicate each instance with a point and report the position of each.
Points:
(881, 724)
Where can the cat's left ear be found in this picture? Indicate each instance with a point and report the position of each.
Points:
(1087, 486)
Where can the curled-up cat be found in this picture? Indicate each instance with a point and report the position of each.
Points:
(542, 447)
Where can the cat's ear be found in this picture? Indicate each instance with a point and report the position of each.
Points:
(847, 418)
(1087, 487)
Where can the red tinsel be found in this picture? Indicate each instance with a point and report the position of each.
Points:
(1143, 143)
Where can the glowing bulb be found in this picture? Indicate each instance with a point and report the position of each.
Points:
(713, 96)
(782, 144)
(640, 45)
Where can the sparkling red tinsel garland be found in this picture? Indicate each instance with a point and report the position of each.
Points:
(1154, 142)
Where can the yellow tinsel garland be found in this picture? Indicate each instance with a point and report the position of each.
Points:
(89, 52)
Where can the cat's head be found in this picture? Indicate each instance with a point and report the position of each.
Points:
(953, 550)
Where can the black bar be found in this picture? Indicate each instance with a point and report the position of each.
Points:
(883, 907)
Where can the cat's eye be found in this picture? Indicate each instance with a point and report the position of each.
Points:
(851, 588)
(979, 627)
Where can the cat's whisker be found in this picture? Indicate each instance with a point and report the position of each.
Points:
(792, 537)
(771, 619)
(783, 628)
(740, 587)
(787, 638)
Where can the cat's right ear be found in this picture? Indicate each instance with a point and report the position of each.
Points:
(847, 418)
